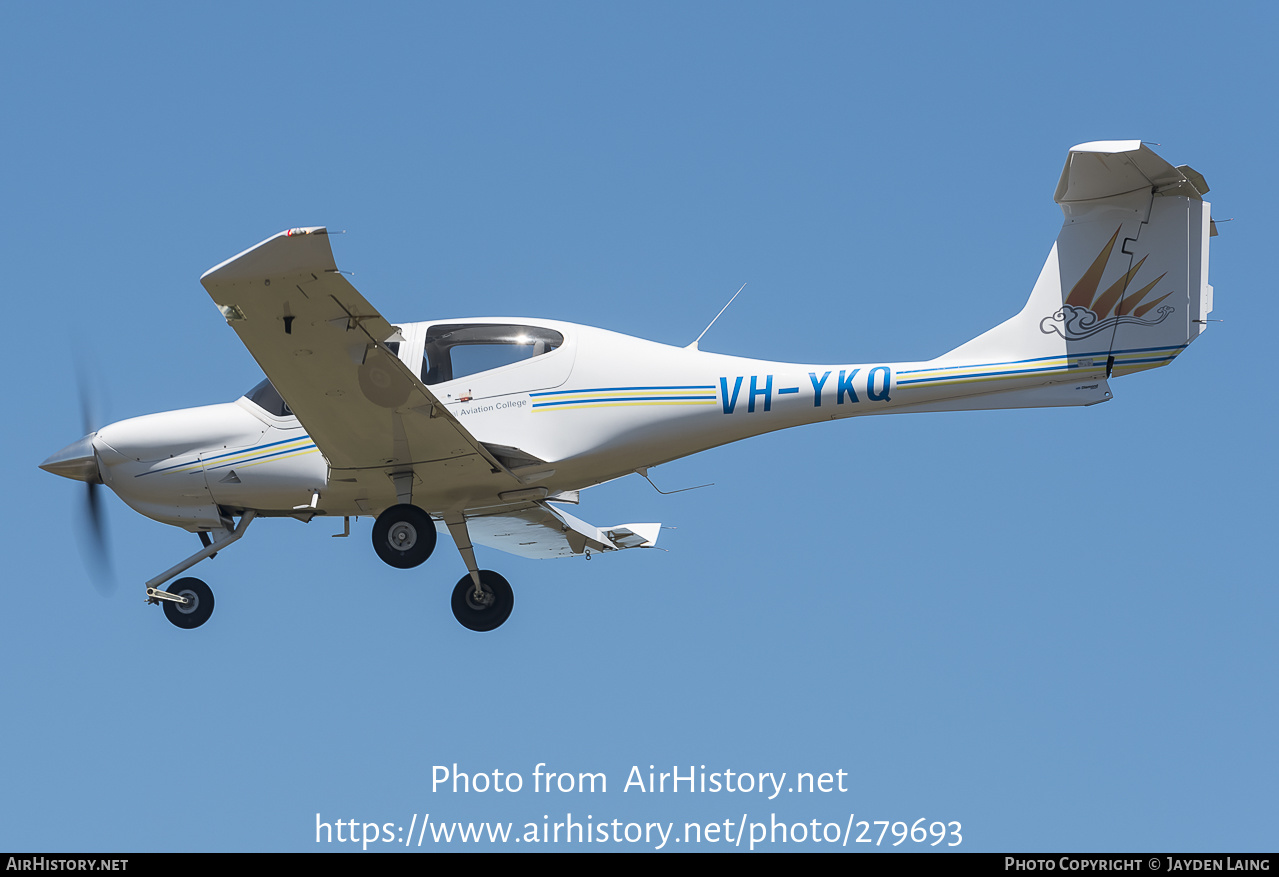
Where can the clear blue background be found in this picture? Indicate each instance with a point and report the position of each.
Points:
(1056, 627)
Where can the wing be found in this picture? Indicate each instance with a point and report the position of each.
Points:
(540, 530)
(324, 348)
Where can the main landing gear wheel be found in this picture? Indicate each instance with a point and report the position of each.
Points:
(197, 608)
(488, 612)
(404, 536)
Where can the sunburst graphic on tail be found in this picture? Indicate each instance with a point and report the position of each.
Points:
(1085, 313)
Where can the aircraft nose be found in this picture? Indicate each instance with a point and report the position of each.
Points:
(76, 461)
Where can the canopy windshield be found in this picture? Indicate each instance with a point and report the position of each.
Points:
(455, 350)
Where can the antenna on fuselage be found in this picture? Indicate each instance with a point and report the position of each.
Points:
(693, 346)
(643, 473)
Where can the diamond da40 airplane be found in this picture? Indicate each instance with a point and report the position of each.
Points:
(486, 429)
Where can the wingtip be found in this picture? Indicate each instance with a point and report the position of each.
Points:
(1108, 146)
(274, 256)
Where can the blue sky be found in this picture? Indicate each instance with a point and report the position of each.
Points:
(1053, 627)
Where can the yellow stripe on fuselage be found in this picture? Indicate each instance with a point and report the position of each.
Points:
(636, 404)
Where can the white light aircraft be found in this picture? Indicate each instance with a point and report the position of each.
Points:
(486, 429)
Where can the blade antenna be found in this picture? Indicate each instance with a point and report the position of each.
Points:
(693, 346)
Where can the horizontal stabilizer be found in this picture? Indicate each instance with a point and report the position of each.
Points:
(633, 535)
(1106, 168)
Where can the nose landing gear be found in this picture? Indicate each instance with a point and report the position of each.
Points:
(188, 603)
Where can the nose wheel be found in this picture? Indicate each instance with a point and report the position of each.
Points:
(404, 536)
(197, 605)
(188, 602)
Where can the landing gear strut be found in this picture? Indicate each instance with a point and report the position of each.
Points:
(404, 536)
(483, 599)
(188, 603)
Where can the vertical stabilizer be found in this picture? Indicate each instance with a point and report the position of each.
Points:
(1125, 287)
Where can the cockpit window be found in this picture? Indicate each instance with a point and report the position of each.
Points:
(265, 396)
(455, 350)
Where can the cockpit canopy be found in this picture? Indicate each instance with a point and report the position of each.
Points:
(266, 397)
(455, 350)
(451, 351)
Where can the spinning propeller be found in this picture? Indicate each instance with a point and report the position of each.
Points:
(79, 461)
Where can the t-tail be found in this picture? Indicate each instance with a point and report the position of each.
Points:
(1125, 288)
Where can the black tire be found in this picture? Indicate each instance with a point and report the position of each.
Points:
(196, 610)
(404, 536)
(477, 617)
